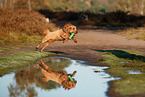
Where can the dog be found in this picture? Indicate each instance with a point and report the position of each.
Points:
(62, 78)
(58, 35)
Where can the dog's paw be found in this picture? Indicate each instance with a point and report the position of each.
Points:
(75, 41)
(36, 47)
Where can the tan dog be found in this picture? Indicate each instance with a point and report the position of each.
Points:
(59, 35)
(59, 77)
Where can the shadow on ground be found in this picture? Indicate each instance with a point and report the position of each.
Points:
(59, 52)
(123, 54)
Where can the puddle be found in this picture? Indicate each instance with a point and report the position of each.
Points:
(123, 62)
(28, 82)
(134, 72)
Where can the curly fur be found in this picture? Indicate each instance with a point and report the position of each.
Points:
(58, 35)
(59, 77)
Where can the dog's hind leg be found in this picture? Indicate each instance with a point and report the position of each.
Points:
(43, 41)
(45, 79)
(39, 45)
(46, 67)
(47, 44)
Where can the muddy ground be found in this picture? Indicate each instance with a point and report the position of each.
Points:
(90, 41)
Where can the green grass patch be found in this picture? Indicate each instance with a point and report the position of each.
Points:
(18, 60)
(120, 62)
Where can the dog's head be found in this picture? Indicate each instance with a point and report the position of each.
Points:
(70, 28)
(70, 82)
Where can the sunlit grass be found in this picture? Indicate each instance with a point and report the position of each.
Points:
(14, 37)
(120, 61)
(138, 33)
(19, 60)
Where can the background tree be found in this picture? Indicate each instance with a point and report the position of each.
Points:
(92, 6)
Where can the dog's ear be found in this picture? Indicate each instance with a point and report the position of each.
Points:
(66, 27)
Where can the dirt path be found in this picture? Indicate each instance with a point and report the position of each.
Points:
(89, 42)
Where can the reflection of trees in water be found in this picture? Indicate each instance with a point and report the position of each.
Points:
(16, 91)
(26, 78)
(56, 64)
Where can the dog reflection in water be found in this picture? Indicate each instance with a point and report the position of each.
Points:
(62, 78)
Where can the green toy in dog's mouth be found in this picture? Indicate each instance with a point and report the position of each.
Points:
(70, 77)
(71, 35)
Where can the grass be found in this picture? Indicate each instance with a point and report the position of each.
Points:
(21, 26)
(14, 61)
(24, 21)
(15, 38)
(5, 49)
(138, 33)
(120, 61)
(17, 29)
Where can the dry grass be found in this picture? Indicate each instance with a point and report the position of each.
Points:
(19, 25)
(138, 33)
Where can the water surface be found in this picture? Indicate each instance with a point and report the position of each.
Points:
(91, 80)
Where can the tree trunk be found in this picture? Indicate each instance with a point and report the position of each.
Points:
(29, 5)
(129, 6)
(1, 4)
(142, 8)
(5, 4)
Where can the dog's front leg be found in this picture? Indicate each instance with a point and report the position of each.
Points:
(65, 40)
(74, 39)
(73, 73)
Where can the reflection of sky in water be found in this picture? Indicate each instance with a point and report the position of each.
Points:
(4, 83)
(88, 84)
(134, 72)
